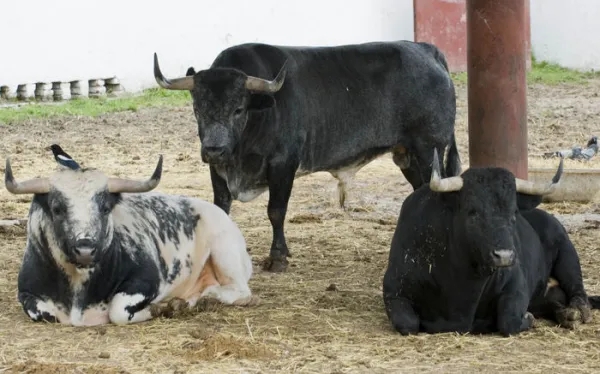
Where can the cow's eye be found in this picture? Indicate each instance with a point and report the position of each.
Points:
(58, 210)
(238, 111)
(472, 212)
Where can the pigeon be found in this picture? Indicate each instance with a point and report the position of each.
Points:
(577, 153)
(591, 148)
(63, 158)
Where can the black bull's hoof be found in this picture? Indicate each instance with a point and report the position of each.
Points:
(275, 264)
(579, 311)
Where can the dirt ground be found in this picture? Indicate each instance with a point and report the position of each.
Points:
(301, 325)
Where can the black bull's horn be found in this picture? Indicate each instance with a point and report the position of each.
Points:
(439, 184)
(115, 185)
(252, 83)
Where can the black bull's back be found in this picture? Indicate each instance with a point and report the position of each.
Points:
(345, 105)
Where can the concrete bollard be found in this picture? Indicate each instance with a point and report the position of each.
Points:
(57, 93)
(5, 93)
(113, 87)
(22, 92)
(41, 92)
(75, 87)
(96, 88)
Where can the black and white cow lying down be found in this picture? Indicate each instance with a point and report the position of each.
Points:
(473, 254)
(103, 250)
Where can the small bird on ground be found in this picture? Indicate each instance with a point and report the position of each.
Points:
(592, 148)
(577, 153)
(63, 157)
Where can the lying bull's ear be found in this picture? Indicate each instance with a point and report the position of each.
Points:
(190, 71)
(528, 202)
(261, 102)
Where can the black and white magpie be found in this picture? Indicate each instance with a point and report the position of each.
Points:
(63, 157)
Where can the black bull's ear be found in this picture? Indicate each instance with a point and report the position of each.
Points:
(528, 202)
(190, 71)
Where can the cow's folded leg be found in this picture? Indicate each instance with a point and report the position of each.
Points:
(569, 316)
(37, 309)
(513, 316)
(582, 305)
(281, 180)
(567, 271)
(232, 267)
(130, 308)
(554, 305)
(402, 315)
(231, 294)
(169, 308)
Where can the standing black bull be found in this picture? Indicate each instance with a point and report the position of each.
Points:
(471, 253)
(329, 109)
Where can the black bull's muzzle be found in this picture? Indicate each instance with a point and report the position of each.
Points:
(503, 257)
(214, 155)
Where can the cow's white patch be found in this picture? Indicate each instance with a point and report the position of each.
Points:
(50, 308)
(79, 188)
(119, 314)
(247, 196)
(80, 276)
(93, 315)
(229, 294)
(226, 274)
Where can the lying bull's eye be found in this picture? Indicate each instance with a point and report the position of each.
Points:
(238, 111)
(57, 210)
(106, 209)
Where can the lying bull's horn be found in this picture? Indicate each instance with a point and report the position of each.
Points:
(185, 83)
(35, 186)
(531, 188)
(438, 184)
(264, 85)
(118, 185)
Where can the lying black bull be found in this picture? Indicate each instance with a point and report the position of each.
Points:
(329, 109)
(471, 253)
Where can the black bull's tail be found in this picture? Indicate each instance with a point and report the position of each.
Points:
(594, 302)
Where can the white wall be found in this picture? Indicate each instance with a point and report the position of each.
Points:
(45, 40)
(566, 32)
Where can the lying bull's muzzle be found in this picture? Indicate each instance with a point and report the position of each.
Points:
(503, 257)
(84, 253)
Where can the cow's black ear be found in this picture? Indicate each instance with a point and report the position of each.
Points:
(261, 102)
(528, 202)
(190, 71)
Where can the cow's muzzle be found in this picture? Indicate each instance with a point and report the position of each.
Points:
(214, 155)
(503, 257)
(84, 252)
